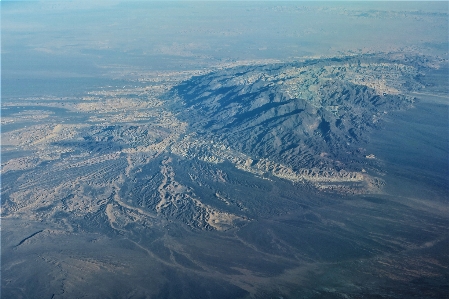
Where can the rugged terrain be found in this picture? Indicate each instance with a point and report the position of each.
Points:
(304, 122)
(234, 182)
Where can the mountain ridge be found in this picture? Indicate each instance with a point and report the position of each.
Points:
(303, 114)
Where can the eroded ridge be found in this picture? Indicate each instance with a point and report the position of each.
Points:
(83, 170)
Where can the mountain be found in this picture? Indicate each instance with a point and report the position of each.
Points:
(310, 119)
(292, 112)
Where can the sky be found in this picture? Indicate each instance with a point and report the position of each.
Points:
(83, 39)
